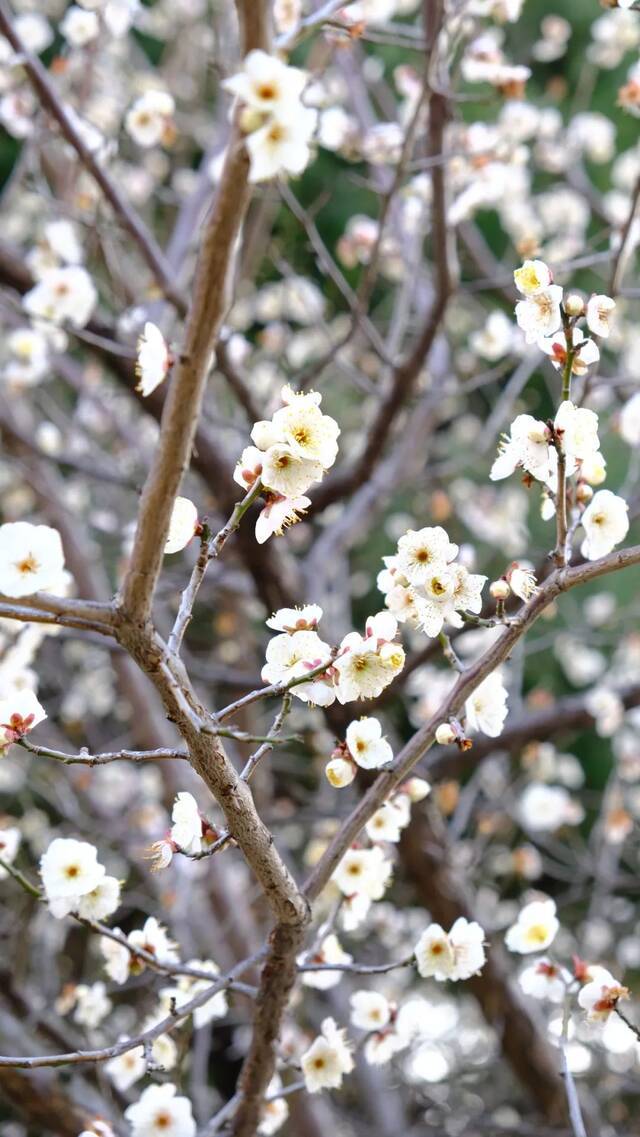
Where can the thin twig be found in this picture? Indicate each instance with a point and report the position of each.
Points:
(211, 548)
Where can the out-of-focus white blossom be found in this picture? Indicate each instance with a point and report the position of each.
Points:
(62, 295)
(150, 120)
(161, 1112)
(535, 929)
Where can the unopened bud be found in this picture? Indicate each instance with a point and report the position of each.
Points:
(574, 305)
(417, 789)
(445, 734)
(584, 493)
(499, 589)
(340, 772)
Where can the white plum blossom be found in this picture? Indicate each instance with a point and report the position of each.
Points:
(532, 278)
(327, 1060)
(545, 980)
(600, 995)
(126, 1069)
(150, 120)
(275, 1109)
(29, 362)
(540, 313)
(92, 1004)
(19, 713)
(544, 808)
(278, 126)
(291, 452)
(286, 14)
(62, 295)
(605, 522)
(161, 1112)
(495, 340)
(117, 958)
(486, 708)
(153, 938)
(282, 144)
(310, 433)
(267, 84)
(578, 429)
(285, 472)
(31, 559)
(599, 309)
(527, 445)
(367, 747)
(387, 823)
(584, 351)
(424, 552)
(295, 619)
(370, 1010)
(278, 514)
(102, 901)
(365, 666)
(422, 585)
(535, 929)
(186, 831)
(455, 955)
(290, 655)
(79, 27)
(328, 951)
(70, 870)
(364, 871)
(182, 525)
(153, 359)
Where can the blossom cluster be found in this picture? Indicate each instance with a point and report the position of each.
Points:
(359, 668)
(422, 585)
(277, 125)
(291, 451)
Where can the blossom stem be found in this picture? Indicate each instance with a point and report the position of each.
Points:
(449, 653)
(627, 1022)
(32, 889)
(272, 689)
(211, 548)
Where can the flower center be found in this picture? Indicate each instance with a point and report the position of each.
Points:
(538, 933)
(27, 564)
